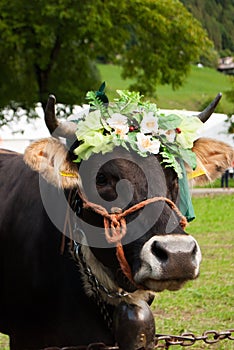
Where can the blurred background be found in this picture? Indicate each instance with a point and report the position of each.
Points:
(177, 53)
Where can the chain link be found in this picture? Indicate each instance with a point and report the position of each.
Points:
(164, 341)
(96, 285)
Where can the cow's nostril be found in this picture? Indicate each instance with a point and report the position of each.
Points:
(159, 251)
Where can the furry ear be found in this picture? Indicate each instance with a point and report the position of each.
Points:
(213, 158)
(50, 158)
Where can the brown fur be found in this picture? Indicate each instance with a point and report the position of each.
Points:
(49, 157)
(214, 157)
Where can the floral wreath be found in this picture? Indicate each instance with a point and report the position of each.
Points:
(138, 125)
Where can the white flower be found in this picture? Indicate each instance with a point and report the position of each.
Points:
(149, 124)
(146, 144)
(119, 123)
(170, 134)
(122, 130)
(117, 119)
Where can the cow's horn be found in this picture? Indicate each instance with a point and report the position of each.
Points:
(205, 115)
(66, 129)
(50, 118)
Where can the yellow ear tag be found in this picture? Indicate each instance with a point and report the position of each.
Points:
(195, 173)
(63, 173)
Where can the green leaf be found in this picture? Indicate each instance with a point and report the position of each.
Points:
(189, 127)
(94, 142)
(169, 122)
(132, 140)
(170, 161)
(189, 157)
(84, 151)
(129, 96)
(91, 123)
(100, 94)
(138, 117)
(172, 148)
(102, 87)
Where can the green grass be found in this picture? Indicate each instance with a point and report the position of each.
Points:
(4, 342)
(201, 85)
(208, 302)
(217, 184)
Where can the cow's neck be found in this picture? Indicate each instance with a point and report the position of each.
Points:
(97, 280)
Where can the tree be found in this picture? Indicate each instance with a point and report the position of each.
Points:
(52, 46)
(217, 17)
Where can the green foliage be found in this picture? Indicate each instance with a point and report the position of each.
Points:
(95, 101)
(217, 17)
(169, 160)
(200, 87)
(52, 47)
(44, 48)
(167, 39)
(133, 123)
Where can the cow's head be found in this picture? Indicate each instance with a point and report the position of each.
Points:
(155, 247)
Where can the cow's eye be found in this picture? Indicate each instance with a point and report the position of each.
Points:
(101, 180)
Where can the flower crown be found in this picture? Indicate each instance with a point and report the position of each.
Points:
(134, 124)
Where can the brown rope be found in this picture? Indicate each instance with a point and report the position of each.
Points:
(126, 269)
(115, 223)
(116, 227)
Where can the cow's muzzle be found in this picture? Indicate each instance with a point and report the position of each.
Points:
(168, 261)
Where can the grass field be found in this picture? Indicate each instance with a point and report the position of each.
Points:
(208, 302)
(200, 87)
(217, 184)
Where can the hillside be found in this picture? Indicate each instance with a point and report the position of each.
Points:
(217, 17)
(199, 88)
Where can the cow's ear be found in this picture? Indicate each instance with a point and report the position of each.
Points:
(50, 158)
(213, 158)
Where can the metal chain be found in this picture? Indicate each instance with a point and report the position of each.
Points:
(164, 341)
(97, 287)
(95, 283)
